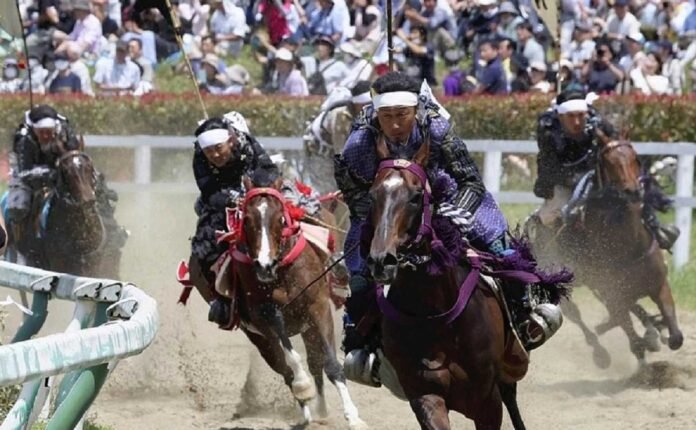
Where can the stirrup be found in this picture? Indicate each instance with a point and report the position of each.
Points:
(362, 366)
(666, 236)
(544, 321)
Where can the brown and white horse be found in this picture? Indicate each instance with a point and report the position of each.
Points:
(282, 293)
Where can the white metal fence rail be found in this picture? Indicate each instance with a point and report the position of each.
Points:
(112, 320)
(492, 168)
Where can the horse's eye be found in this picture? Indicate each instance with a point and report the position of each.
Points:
(416, 199)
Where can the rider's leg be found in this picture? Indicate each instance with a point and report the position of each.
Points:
(19, 201)
(665, 235)
(550, 211)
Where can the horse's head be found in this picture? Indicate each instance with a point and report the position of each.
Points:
(399, 194)
(267, 224)
(77, 178)
(618, 166)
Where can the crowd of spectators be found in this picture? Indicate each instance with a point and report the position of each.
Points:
(115, 47)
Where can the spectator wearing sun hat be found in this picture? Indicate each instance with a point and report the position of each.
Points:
(537, 77)
(508, 20)
(85, 35)
(582, 47)
(289, 80)
(634, 43)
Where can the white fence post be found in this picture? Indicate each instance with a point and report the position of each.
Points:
(685, 187)
(143, 164)
(492, 170)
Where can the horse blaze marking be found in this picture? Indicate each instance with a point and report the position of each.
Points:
(265, 251)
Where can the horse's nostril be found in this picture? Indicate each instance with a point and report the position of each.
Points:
(390, 260)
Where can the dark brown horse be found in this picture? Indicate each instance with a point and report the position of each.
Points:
(447, 354)
(274, 263)
(74, 239)
(615, 255)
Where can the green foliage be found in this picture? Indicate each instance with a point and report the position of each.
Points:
(513, 117)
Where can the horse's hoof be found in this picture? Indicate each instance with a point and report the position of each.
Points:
(357, 424)
(601, 357)
(652, 340)
(303, 390)
(676, 340)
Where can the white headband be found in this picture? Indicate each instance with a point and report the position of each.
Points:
(395, 98)
(577, 105)
(213, 137)
(362, 99)
(45, 123)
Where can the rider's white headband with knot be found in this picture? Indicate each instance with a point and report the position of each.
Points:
(577, 105)
(395, 98)
(45, 123)
(362, 99)
(213, 137)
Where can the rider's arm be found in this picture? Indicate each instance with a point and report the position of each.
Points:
(26, 150)
(354, 170)
(548, 164)
(205, 178)
(459, 164)
(261, 159)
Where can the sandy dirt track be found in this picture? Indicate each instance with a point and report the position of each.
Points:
(194, 375)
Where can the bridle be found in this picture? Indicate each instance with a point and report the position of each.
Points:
(291, 228)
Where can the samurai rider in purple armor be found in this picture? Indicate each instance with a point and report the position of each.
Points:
(406, 114)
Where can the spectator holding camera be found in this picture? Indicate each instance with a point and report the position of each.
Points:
(600, 73)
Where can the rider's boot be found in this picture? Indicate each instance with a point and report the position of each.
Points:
(665, 235)
(361, 364)
(203, 279)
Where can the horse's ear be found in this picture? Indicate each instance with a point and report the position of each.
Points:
(81, 147)
(278, 183)
(625, 132)
(248, 185)
(421, 157)
(382, 150)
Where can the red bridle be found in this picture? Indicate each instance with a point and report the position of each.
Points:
(290, 229)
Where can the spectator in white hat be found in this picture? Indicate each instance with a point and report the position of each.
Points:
(289, 80)
(359, 69)
(508, 20)
(537, 77)
(634, 46)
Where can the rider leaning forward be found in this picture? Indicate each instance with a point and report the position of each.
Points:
(567, 139)
(406, 115)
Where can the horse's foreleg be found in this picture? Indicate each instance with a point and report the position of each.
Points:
(431, 412)
(315, 362)
(272, 353)
(508, 392)
(652, 335)
(622, 316)
(302, 387)
(663, 299)
(601, 356)
(323, 320)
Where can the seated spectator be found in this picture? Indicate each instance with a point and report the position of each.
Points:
(108, 25)
(238, 78)
(481, 22)
(647, 79)
(491, 76)
(359, 69)
(276, 16)
(80, 69)
(457, 82)
(634, 52)
(365, 18)
(671, 67)
(537, 77)
(135, 51)
(601, 74)
(328, 19)
(147, 38)
(86, 34)
(63, 80)
(506, 49)
(211, 80)
(118, 75)
(229, 27)
(439, 22)
(582, 47)
(10, 76)
(323, 71)
(197, 14)
(38, 76)
(419, 54)
(508, 20)
(289, 80)
(621, 23)
(527, 45)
